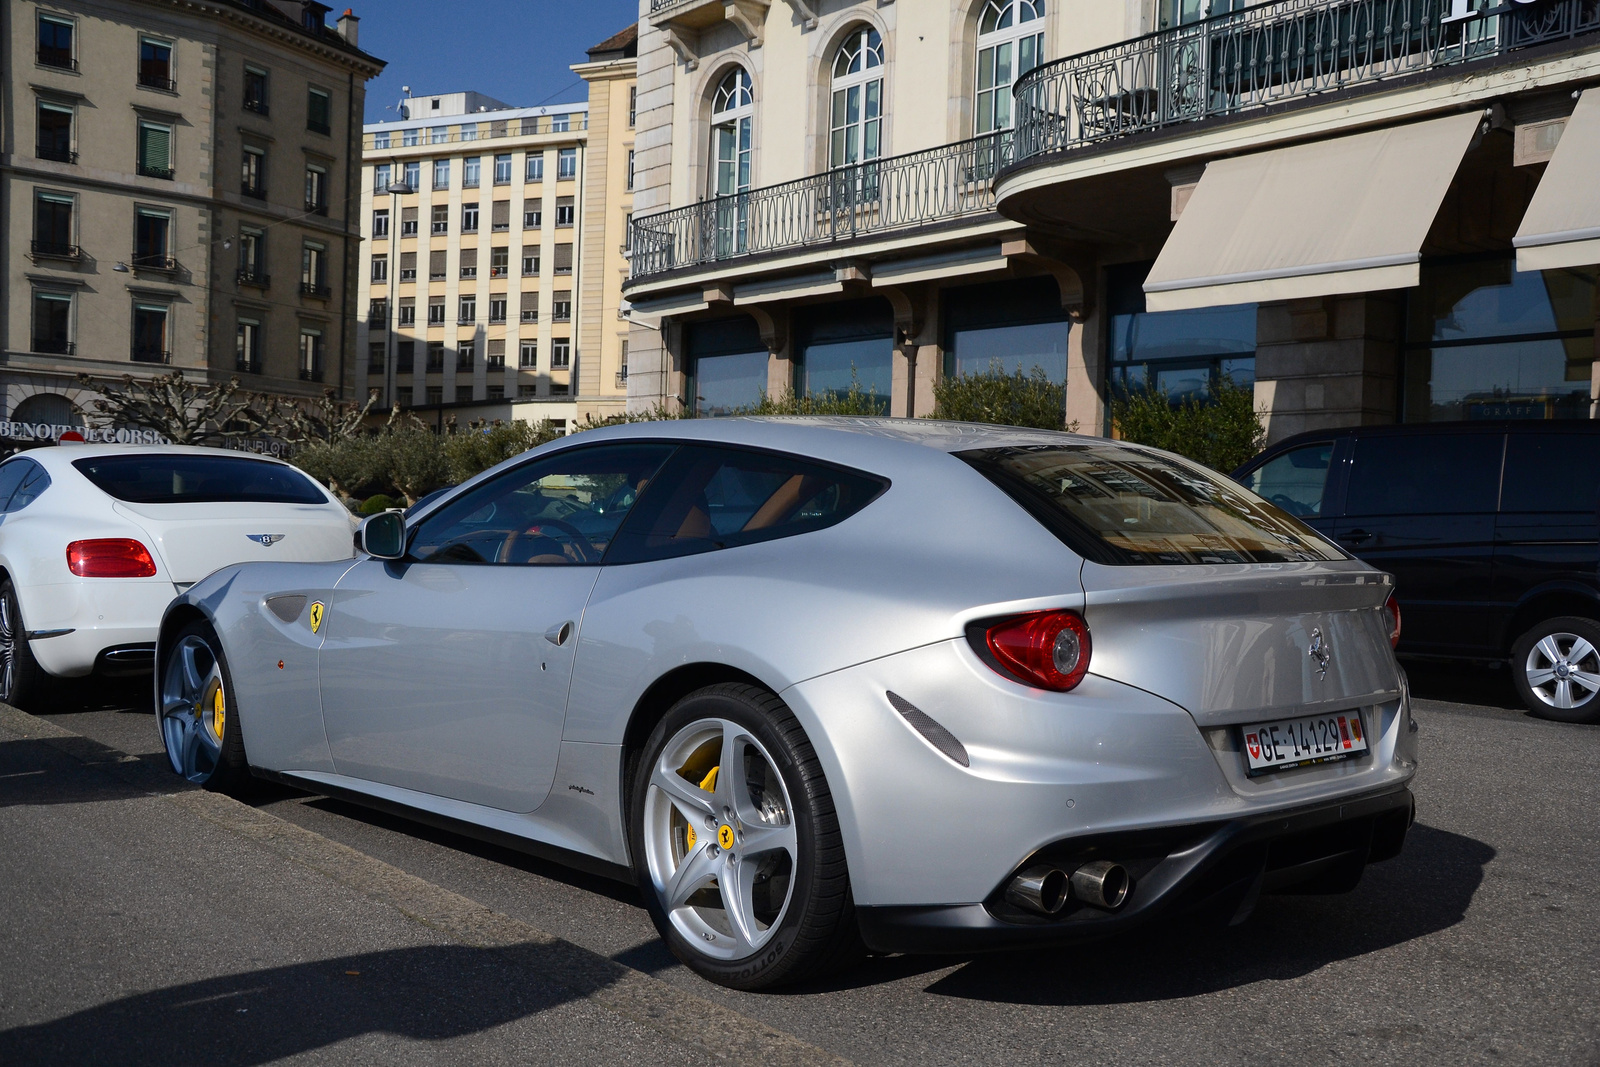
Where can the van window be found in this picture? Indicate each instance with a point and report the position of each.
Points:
(1432, 474)
(1552, 472)
(1295, 480)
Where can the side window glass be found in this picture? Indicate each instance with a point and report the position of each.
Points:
(560, 511)
(11, 476)
(34, 482)
(712, 498)
(1294, 481)
(1552, 472)
(1440, 474)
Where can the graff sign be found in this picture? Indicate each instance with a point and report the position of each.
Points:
(1466, 9)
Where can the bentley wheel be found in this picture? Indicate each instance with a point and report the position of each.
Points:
(1556, 666)
(737, 846)
(199, 724)
(21, 678)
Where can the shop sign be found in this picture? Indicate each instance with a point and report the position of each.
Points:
(46, 431)
(1468, 9)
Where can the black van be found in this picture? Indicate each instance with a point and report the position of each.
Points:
(1491, 530)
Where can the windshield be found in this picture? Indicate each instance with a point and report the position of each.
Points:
(176, 478)
(1124, 506)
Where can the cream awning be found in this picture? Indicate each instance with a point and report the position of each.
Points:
(1562, 226)
(1346, 215)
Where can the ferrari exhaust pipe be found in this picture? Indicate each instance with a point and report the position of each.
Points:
(1039, 889)
(1101, 884)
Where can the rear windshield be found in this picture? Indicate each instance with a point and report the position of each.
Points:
(1117, 505)
(170, 478)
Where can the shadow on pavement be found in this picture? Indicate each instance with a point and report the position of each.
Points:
(36, 772)
(431, 993)
(1463, 684)
(1426, 889)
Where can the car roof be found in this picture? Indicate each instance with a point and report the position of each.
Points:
(61, 456)
(865, 434)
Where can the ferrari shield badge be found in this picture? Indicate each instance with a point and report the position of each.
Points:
(316, 616)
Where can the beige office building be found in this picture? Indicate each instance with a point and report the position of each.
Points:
(490, 283)
(1368, 211)
(175, 181)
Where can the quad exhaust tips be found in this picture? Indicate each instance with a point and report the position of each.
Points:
(1045, 890)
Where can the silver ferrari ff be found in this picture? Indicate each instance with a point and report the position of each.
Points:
(822, 686)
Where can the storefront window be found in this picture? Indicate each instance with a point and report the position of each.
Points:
(1007, 327)
(1179, 352)
(1486, 341)
(727, 366)
(840, 345)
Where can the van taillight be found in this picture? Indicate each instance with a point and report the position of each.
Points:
(1047, 649)
(1392, 606)
(110, 557)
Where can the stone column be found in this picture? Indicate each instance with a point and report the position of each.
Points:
(1328, 362)
(1086, 375)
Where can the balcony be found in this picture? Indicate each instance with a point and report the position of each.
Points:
(255, 192)
(312, 375)
(154, 261)
(247, 366)
(896, 193)
(1270, 54)
(258, 107)
(59, 58)
(164, 173)
(52, 346)
(530, 316)
(150, 354)
(55, 250)
(317, 289)
(55, 153)
(155, 80)
(497, 272)
(314, 207)
(251, 276)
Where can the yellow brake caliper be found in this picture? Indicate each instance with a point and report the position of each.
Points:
(219, 712)
(709, 784)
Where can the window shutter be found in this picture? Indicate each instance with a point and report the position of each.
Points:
(497, 348)
(497, 128)
(408, 261)
(565, 201)
(502, 214)
(408, 214)
(563, 258)
(530, 302)
(408, 301)
(155, 149)
(436, 262)
(469, 257)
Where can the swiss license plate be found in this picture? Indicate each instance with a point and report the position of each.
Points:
(1276, 746)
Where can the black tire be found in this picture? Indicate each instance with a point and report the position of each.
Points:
(22, 680)
(817, 933)
(1530, 653)
(186, 728)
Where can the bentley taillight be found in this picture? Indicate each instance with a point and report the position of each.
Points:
(110, 557)
(1047, 649)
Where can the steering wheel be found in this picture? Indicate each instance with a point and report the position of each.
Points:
(575, 535)
(1289, 504)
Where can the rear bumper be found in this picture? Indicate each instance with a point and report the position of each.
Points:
(111, 621)
(1216, 868)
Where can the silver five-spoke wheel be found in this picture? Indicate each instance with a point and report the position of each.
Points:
(195, 710)
(1563, 670)
(719, 838)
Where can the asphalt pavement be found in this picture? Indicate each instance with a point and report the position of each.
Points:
(154, 923)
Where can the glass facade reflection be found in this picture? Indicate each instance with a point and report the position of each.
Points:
(1009, 326)
(841, 344)
(727, 364)
(1486, 341)
(1181, 352)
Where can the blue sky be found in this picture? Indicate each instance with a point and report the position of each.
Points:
(515, 50)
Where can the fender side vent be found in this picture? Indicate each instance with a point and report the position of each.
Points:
(287, 608)
(936, 735)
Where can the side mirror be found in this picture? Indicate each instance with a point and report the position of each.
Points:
(383, 535)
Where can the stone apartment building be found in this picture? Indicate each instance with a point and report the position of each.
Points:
(1366, 210)
(176, 180)
(491, 280)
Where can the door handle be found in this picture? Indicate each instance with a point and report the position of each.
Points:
(1356, 537)
(557, 635)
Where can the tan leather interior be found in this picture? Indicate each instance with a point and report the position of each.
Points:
(790, 495)
(696, 523)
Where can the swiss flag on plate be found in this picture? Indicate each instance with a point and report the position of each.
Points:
(1251, 743)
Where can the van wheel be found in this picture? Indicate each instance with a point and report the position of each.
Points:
(1556, 666)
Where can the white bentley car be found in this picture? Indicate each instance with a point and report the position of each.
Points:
(827, 685)
(95, 540)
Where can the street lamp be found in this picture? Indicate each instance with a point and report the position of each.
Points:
(396, 189)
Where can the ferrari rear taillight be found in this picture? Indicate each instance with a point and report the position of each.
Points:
(1392, 607)
(110, 557)
(1047, 649)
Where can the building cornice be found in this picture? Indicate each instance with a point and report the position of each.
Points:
(344, 54)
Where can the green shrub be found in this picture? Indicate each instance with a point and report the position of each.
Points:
(410, 460)
(343, 465)
(658, 413)
(1220, 432)
(482, 445)
(853, 401)
(1015, 399)
(376, 503)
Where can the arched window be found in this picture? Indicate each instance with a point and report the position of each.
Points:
(732, 111)
(1010, 43)
(857, 116)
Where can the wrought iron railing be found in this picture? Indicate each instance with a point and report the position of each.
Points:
(895, 193)
(1264, 55)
